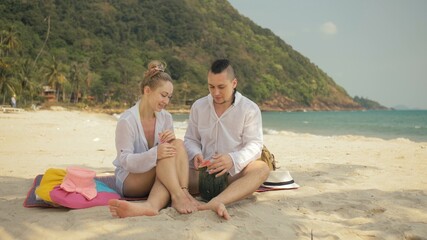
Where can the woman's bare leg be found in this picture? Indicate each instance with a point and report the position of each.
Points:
(169, 173)
(157, 199)
(140, 185)
(183, 170)
(170, 179)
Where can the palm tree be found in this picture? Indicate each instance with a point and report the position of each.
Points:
(55, 78)
(78, 75)
(8, 44)
(185, 90)
(45, 40)
(26, 77)
(9, 40)
(7, 82)
(75, 82)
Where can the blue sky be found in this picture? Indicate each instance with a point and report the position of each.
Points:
(373, 48)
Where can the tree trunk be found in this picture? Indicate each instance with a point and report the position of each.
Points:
(63, 94)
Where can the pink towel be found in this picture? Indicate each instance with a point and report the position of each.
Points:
(77, 201)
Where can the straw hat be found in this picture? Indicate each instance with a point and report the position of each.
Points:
(280, 180)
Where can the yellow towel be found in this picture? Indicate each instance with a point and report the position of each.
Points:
(51, 178)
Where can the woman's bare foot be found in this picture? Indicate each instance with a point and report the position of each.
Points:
(183, 204)
(192, 199)
(122, 209)
(217, 207)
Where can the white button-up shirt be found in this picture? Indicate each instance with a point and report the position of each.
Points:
(238, 132)
(133, 153)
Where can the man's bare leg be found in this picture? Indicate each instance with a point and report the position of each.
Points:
(243, 185)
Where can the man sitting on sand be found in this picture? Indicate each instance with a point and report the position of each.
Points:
(226, 128)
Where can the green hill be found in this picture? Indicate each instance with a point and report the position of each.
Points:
(369, 104)
(99, 49)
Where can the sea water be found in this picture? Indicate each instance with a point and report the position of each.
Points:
(385, 124)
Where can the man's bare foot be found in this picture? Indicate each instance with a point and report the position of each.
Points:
(217, 207)
(183, 204)
(122, 209)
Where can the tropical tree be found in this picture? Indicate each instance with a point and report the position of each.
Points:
(56, 78)
(183, 91)
(8, 44)
(27, 80)
(7, 82)
(79, 79)
(76, 82)
(9, 40)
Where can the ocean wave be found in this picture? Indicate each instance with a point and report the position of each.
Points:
(269, 131)
(180, 125)
(117, 116)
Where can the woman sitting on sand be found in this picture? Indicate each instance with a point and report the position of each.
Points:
(150, 160)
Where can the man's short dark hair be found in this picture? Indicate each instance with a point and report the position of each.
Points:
(218, 66)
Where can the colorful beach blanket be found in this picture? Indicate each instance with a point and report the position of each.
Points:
(32, 201)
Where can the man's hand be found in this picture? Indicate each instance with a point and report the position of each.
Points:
(198, 159)
(221, 163)
(165, 150)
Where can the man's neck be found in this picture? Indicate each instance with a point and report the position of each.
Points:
(220, 108)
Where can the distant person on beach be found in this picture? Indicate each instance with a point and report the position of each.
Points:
(13, 101)
(225, 128)
(150, 160)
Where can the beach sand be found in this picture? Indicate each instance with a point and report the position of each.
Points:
(352, 187)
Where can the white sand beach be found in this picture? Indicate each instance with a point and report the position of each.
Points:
(352, 187)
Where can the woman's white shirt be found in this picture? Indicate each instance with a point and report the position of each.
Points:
(133, 152)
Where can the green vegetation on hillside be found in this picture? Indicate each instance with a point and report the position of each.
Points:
(368, 104)
(100, 48)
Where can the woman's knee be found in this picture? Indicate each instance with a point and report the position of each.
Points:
(178, 143)
(180, 147)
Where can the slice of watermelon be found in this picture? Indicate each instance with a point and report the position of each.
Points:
(205, 163)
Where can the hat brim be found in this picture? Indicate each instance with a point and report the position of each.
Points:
(280, 180)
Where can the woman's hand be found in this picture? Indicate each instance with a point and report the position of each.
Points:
(165, 150)
(221, 163)
(166, 136)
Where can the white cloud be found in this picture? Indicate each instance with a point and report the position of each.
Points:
(329, 28)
